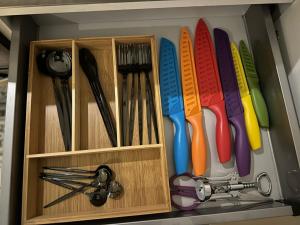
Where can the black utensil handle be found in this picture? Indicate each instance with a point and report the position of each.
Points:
(68, 169)
(66, 176)
(140, 110)
(148, 115)
(89, 65)
(59, 183)
(104, 110)
(90, 195)
(106, 115)
(66, 105)
(153, 111)
(60, 111)
(68, 181)
(124, 108)
(132, 111)
(67, 94)
(66, 196)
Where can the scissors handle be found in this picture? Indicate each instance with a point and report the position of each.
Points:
(183, 192)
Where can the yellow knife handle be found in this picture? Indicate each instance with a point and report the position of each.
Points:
(198, 144)
(252, 127)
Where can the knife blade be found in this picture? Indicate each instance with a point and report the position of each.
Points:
(233, 102)
(192, 107)
(252, 127)
(253, 82)
(172, 103)
(211, 95)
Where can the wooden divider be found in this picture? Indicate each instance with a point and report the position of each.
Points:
(141, 169)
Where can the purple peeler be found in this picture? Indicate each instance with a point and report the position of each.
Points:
(234, 108)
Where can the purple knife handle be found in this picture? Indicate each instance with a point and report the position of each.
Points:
(241, 145)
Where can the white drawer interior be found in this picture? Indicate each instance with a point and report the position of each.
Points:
(167, 23)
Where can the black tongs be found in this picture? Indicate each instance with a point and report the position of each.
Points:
(57, 64)
(89, 65)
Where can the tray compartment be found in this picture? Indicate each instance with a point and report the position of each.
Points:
(43, 126)
(153, 75)
(142, 170)
(90, 131)
(138, 170)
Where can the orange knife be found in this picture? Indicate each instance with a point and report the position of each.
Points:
(192, 107)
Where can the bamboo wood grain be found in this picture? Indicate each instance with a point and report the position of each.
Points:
(116, 89)
(44, 128)
(93, 133)
(90, 151)
(75, 98)
(142, 169)
(27, 137)
(137, 170)
(160, 123)
(111, 213)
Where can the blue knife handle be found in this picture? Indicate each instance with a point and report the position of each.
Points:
(181, 148)
(241, 145)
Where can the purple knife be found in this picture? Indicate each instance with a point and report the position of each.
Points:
(234, 108)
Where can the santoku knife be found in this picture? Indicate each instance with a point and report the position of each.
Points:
(233, 102)
(172, 103)
(211, 95)
(192, 107)
(253, 82)
(249, 113)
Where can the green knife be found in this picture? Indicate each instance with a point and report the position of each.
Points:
(254, 87)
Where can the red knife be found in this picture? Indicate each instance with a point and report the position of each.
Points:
(210, 89)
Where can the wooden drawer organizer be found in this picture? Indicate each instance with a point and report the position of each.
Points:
(141, 169)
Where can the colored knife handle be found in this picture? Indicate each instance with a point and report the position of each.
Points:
(181, 148)
(259, 103)
(223, 137)
(241, 145)
(251, 123)
(198, 144)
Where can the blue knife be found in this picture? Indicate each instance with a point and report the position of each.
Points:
(172, 103)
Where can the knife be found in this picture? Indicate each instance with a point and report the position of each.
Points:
(211, 95)
(249, 113)
(233, 102)
(192, 107)
(172, 103)
(253, 82)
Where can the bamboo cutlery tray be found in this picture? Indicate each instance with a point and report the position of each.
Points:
(141, 169)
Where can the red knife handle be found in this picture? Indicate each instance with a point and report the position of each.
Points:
(223, 137)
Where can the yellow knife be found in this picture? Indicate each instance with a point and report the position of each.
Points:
(252, 127)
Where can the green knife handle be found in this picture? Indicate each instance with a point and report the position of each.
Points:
(258, 102)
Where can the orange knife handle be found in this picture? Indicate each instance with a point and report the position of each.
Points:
(223, 137)
(198, 144)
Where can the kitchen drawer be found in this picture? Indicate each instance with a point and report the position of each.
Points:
(139, 168)
(281, 143)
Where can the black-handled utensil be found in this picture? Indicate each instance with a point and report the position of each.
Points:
(58, 65)
(146, 67)
(140, 99)
(97, 197)
(123, 68)
(88, 64)
(102, 181)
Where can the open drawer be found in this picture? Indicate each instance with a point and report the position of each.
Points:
(281, 143)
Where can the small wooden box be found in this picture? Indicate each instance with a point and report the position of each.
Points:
(141, 169)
